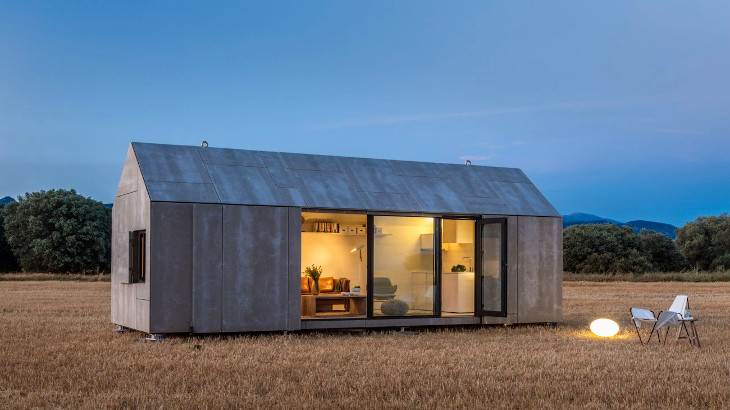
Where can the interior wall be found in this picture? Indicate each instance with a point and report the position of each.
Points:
(400, 256)
(332, 250)
(454, 253)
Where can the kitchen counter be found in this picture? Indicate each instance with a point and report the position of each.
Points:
(457, 292)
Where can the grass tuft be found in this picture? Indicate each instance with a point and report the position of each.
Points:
(690, 276)
(38, 277)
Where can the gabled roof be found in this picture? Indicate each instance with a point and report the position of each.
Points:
(176, 173)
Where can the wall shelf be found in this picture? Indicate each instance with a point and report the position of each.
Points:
(334, 233)
(377, 235)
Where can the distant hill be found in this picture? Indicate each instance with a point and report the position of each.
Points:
(6, 200)
(580, 218)
(666, 229)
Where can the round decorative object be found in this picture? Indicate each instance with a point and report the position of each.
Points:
(604, 327)
(394, 308)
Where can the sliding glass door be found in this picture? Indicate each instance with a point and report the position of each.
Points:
(492, 289)
(403, 266)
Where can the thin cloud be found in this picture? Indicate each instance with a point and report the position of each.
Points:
(674, 131)
(465, 114)
(489, 147)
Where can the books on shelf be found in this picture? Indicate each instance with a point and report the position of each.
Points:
(334, 227)
(330, 227)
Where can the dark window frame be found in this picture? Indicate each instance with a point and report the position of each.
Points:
(138, 256)
(478, 308)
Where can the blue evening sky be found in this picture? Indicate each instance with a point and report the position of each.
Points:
(619, 108)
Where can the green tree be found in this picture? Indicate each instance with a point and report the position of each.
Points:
(8, 262)
(604, 248)
(662, 251)
(59, 231)
(706, 242)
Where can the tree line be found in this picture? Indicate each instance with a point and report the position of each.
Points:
(56, 231)
(703, 244)
(60, 231)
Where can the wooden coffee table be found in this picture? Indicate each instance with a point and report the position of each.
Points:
(354, 305)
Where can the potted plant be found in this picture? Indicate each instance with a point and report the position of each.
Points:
(458, 268)
(356, 289)
(314, 272)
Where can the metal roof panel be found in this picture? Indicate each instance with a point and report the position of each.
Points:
(244, 185)
(326, 189)
(176, 173)
(172, 163)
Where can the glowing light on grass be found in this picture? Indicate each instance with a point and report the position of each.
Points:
(604, 327)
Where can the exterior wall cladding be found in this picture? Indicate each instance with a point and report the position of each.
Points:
(210, 269)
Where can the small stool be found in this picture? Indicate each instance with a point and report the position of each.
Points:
(690, 333)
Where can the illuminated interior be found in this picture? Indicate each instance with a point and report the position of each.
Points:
(403, 266)
(457, 267)
(404, 254)
(337, 243)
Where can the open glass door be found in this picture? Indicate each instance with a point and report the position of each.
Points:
(491, 288)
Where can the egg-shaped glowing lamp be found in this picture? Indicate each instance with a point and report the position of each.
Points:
(604, 327)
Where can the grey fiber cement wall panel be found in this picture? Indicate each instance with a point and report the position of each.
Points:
(142, 201)
(540, 264)
(128, 179)
(142, 309)
(255, 268)
(130, 213)
(294, 249)
(171, 267)
(207, 268)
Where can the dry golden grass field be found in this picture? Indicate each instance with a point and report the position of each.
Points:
(57, 349)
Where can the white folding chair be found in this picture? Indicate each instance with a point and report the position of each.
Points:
(643, 316)
(680, 305)
(666, 318)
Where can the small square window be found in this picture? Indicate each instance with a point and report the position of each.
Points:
(137, 256)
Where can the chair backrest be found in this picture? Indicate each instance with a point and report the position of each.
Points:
(639, 315)
(679, 305)
(642, 314)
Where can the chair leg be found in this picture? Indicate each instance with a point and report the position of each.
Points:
(639, 334)
(653, 329)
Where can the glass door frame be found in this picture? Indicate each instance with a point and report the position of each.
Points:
(371, 265)
(478, 250)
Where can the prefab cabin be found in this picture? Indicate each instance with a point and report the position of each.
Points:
(212, 240)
